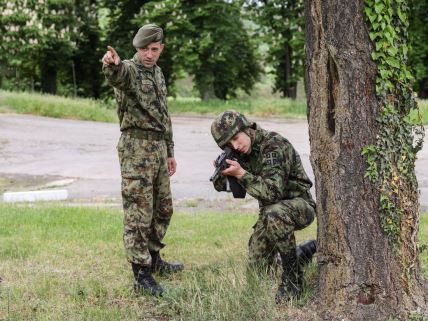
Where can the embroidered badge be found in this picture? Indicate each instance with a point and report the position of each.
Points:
(272, 158)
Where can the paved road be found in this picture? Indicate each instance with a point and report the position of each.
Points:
(83, 153)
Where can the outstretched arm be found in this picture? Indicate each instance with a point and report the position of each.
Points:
(111, 57)
(118, 74)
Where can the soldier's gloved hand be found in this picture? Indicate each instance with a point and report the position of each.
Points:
(111, 57)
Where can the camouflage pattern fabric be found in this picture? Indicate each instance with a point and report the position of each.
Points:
(146, 194)
(274, 230)
(141, 98)
(276, 178)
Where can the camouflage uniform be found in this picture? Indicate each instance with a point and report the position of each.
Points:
(276, 178)
(143, 148)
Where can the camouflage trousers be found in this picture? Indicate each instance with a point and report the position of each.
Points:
(146, 196)
(273, 232)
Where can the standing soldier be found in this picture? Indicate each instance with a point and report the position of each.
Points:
(271, 171)
(146, 154)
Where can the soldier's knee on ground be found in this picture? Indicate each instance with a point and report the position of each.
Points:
(276, 222)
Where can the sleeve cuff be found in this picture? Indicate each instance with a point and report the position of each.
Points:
(109, 70)
(170, 152)
(246, 179)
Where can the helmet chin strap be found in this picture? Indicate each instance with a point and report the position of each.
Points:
(251, 135)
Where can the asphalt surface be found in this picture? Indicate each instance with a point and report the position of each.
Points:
(80, 156)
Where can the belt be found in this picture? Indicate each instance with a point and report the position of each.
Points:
(145, 134)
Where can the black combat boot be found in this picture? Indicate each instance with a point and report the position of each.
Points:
(161, 266)
(292, 278)
(305, 251)
(144, 281)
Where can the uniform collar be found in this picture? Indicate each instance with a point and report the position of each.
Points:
(255, 146)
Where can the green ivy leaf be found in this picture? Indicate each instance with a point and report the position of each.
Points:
(392, 51)
(379, 7)
(392, 62)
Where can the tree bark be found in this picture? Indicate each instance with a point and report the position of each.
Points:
(359, 272)
(289, 88)
(48, 74)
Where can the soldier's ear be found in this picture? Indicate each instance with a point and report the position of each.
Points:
(161, 47)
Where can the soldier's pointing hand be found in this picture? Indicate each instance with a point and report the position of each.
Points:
(111, 57)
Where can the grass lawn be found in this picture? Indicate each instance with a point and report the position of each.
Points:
(67, 263)
(89, 109)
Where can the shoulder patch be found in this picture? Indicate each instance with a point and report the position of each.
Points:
(271, 158)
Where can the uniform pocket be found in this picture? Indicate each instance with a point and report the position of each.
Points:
(135, 156)
(147, 86)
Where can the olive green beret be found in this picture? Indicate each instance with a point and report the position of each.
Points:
(146, 35)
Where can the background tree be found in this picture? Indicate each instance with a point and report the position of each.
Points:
(122, 26)
(19, 43)
(38, 39)
(57, 34)
(359, 100)
(281, 24)
(217, 49)
(166, 15)
(84, 70)
(418, 52)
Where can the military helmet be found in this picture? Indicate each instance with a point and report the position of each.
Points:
(227, 125)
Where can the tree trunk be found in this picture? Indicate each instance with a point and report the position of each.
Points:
(205, 83)
(290, 87)
(48, 76)
(423, 88)
(360, 275)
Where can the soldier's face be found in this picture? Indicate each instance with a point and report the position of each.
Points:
(149, 55)
(241, 142)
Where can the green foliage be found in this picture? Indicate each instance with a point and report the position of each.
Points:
(391, 161)
(165, 15)
(87, 54)
(43, 41)
(281, 25)
(205, 38)
(121, 26)
(38, 39)
(216, 48)
(418, 50)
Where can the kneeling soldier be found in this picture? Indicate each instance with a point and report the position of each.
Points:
(271, 171)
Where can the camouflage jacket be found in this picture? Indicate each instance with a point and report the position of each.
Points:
(274, 171)
(141, 98)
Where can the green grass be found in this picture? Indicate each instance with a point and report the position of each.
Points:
(55, 106)
(67, 263)
(423, 108)
(64, 263)
(89, 109)
(259, 107)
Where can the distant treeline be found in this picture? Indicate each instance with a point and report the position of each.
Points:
(55, 46)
